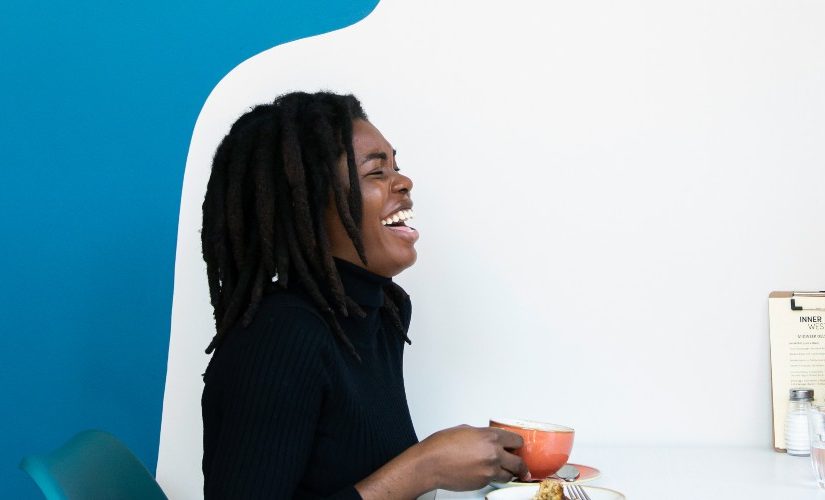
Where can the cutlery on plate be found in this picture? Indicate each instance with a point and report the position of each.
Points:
(575, 492)
(568, 473)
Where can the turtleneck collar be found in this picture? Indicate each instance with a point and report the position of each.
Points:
(364, 287)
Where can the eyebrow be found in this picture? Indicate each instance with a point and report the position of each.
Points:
(377, 155)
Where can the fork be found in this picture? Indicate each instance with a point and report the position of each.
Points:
(575, 492)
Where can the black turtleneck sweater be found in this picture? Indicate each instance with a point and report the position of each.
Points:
(288, 412)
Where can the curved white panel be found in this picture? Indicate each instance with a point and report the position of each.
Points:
(606, 192)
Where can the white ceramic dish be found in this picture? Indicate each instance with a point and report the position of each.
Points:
(527, 493)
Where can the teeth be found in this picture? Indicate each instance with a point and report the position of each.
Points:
(398, 216)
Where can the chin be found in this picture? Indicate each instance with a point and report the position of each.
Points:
(394, 266)
(408, 263)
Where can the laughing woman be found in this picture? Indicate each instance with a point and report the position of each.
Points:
(305, 223)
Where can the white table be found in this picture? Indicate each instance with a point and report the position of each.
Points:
(694, 473)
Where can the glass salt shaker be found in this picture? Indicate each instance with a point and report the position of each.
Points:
(796, 422)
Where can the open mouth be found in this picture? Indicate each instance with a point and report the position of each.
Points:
(398, 219)
(397, 224)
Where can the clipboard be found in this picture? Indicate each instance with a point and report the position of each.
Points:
(797, 343)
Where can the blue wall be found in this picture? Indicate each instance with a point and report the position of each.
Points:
(97, 105)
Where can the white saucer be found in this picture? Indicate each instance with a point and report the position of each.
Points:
(587, 473)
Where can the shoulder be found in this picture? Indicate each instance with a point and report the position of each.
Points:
(287, 328)
(285, 314)
(287, 304)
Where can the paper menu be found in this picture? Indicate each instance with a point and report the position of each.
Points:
(797, 341)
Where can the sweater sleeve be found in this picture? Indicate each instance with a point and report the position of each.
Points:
(261, 405)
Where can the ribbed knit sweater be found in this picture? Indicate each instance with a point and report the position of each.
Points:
(288, 412)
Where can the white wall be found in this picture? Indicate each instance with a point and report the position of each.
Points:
(606, 193)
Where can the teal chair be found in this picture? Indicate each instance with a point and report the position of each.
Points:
(93, 465)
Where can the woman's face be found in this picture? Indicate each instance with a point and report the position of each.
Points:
(385, 192)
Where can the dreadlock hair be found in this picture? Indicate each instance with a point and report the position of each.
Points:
(263, 215)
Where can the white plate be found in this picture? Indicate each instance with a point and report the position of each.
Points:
(527, 493)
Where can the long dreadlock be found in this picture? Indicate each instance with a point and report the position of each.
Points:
(263, 215)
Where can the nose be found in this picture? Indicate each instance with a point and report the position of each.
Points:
(402, 184)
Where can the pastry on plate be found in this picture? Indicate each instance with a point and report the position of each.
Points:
(550, 489)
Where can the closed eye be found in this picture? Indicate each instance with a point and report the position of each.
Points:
(380, 172)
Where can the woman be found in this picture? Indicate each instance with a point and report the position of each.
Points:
(303, 229)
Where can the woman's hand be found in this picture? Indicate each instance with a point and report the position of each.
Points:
(468, 458)
(461, 458)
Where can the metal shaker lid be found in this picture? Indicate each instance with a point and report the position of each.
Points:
(802, 394)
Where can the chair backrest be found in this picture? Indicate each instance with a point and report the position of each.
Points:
(92, 465)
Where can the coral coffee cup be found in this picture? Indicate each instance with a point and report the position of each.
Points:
(546, 446)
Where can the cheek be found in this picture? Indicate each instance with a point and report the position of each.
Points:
(372, 233)
(372, 203)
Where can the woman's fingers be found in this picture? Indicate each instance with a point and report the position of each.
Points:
(513, 464)
(508, 440)
(467, 458)
(503, 476)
